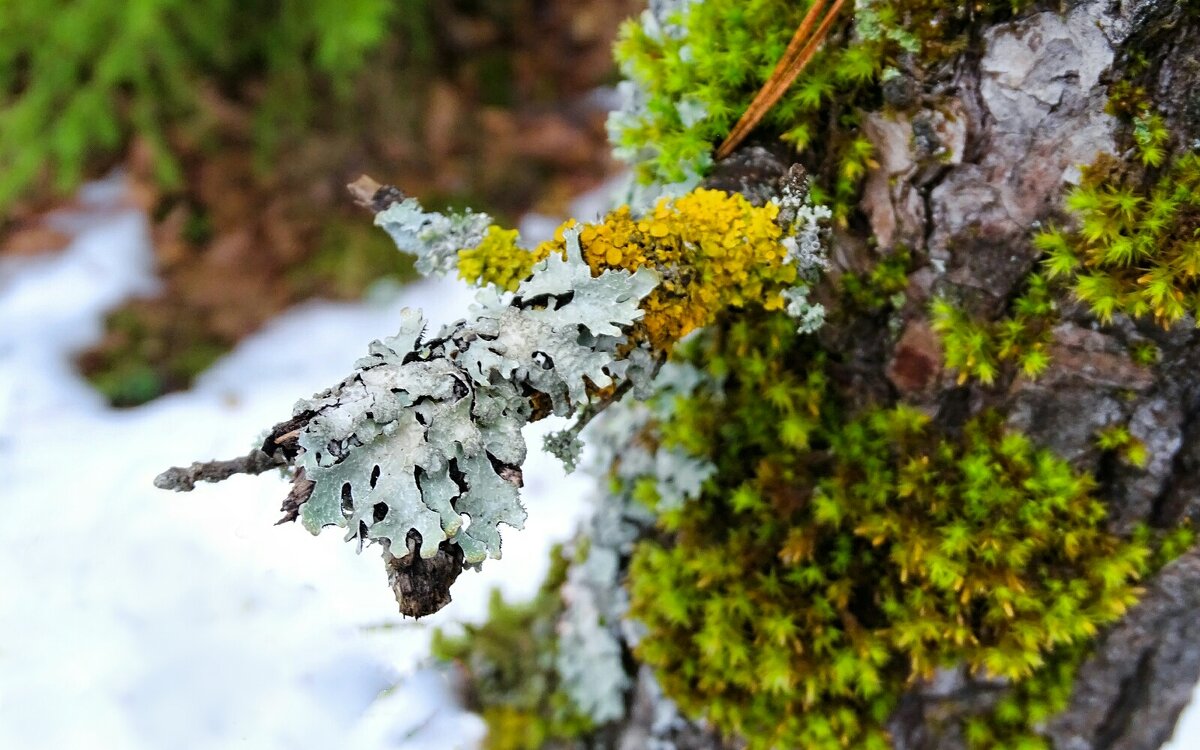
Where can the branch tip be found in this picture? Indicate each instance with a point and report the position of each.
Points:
(180, 479)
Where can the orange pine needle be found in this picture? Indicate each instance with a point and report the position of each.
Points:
(794, 48)
(786, 71)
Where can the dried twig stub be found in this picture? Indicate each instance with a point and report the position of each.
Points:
(422, 584)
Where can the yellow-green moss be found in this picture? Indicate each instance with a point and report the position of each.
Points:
(1130, 102)
(981, 349)
(1117, 440)
(1136, 250)
(698, 82)
(832, 560)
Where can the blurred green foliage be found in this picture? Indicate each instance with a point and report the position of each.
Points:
(510, 662)
(882, 285)
(149, 361)
(78, 78)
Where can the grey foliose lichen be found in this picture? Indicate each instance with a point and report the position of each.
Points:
(566, 446)
(427, 431)
(589, 657)
(592, 629)
(805, 221)
(434, 238)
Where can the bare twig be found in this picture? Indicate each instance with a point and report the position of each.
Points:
(363, 190)
(593, 409)
(184, 480)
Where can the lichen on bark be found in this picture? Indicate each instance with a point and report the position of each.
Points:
(972, 153)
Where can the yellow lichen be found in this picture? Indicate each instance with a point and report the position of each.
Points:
(498, 260)
(713, 250)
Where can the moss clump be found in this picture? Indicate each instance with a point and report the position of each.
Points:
(697, 73)
(833, 560)
(979, 349)
(1136, 250)
(1030, 703)
(882, 286)
(1145, 353)
(147, 354)
(510, 663)
(1118, 441)
(1130, 101)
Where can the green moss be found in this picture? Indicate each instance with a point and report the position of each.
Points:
(1118, 441)
(1129, 101)
(1137, 247)
(834, 558)
(882, 286)
(1136, 250)
(699, 82)
(510, 663)
(1030, 702)
(351, 255)
(982, 349)
(1173, 543)
(143, 359)
(1145, 353)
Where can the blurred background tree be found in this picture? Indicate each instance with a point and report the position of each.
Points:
(240, 122)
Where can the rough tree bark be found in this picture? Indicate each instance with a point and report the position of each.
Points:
(963, 183)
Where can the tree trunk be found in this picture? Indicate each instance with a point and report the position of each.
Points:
(1028, 111)
(963, 184)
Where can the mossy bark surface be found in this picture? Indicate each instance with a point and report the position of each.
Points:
(976, 158)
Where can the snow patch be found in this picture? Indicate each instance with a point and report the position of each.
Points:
(133, 618)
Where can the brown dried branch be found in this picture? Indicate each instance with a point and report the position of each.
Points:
(302, 489)
(422, 586)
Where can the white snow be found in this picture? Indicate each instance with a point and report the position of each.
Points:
(1187, 729)
(135, 618)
